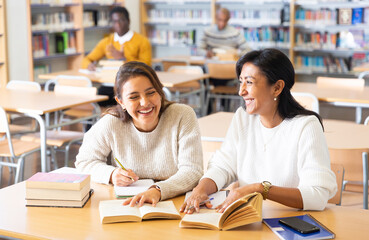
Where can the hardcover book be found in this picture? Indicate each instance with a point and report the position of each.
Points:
(64, 181)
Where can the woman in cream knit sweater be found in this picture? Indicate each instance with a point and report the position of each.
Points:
(150, 136)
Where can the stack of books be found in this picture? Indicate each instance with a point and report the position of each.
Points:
(58, 190)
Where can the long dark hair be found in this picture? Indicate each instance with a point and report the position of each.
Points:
(130, 70)
(275, 66)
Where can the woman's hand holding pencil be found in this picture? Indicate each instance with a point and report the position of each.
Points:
(122, 176)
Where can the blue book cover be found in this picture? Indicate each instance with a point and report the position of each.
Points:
(357, 15)
(287, 233)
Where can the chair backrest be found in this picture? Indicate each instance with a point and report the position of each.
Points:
(351, 159)
(221, 69)
(186, 69)
(307, 100)
(78, 81)
(167, 63)
(352, 83)
(69, 80)
(339, 171)
(75, 90)
(24, 86)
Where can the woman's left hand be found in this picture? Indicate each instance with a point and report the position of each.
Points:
(149, 196)
(235, 194)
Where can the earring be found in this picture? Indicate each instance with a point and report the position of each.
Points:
(275, 99)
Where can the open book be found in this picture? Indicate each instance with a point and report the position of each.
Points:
(112, 211)
(133, 189)
(244, 211)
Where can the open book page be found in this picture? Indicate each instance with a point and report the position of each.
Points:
(114, 211)
(133, 189)
(206, 218)
(216, 198)
(244, 211)
(164, 209)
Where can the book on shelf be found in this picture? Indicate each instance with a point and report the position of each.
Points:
(244, 211)
(64, 181)
(58, 202)
(344, 16)
(287, 233)
(135, 188)
(357, 15)
(112, 211)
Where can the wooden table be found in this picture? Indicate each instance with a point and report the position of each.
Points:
(36, 104)
(18, 221)
(337, 96)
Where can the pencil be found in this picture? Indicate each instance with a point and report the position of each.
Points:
(123, 168)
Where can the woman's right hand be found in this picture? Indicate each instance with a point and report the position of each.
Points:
(192, 204)
(122, 178)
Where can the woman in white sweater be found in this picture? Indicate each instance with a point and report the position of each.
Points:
(274, 146)
(150, 136)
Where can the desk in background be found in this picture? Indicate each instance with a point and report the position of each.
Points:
(337, 96)
(18, 221)
(37, 104)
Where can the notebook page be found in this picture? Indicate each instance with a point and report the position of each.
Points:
(133, 189)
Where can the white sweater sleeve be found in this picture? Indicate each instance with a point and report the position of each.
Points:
(222, 168)
(92, 156)
(190, 163)
(317, 181)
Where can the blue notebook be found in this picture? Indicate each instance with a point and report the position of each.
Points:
(286, 233)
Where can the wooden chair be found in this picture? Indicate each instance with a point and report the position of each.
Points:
(307, 100)
(192, 92)
(13, 151)
(339, 171)
(222, 70)
(355, 170)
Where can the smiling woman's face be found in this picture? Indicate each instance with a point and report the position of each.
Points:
(255, 90)
(142, 102)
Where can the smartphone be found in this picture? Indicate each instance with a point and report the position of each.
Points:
(299, 225)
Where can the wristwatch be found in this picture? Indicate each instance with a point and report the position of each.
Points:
(156, 187)
(266, 185)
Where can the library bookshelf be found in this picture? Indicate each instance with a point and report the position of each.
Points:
(3, 47)
(292, 26)
(330, 37)
(62, 32)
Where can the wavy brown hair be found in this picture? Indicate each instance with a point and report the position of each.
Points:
(125, 73)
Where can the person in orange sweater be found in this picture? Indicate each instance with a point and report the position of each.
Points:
(123, 44)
